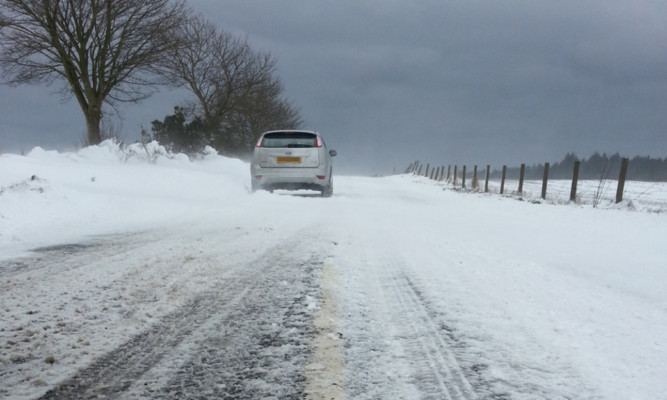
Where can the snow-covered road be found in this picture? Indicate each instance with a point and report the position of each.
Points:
(171, 314)
(175, 282)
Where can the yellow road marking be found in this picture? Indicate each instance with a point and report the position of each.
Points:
(324, 372)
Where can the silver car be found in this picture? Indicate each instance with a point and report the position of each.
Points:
(292, 160)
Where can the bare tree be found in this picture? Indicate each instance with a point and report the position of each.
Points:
(105, 51)
(261, 110)
(226, 76)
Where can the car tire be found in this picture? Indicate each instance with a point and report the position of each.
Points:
(328, 190)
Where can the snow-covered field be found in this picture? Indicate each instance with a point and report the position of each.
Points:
(168, 279)
(639, 196)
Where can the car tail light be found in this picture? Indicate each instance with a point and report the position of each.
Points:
(322, 177)
(259, 142)
(319, 143)
(258, 176)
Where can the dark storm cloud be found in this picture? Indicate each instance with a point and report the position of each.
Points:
(462, 81)
(469, 81)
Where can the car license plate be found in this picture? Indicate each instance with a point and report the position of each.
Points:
(288, 160)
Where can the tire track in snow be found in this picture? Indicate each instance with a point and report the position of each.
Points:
(529, 380)
(261, 348)
(402, 345)
(396, 346)
(115, 372)
(437, 372)
(72, 255)
(223, 343)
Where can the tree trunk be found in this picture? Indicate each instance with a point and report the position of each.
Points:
(93, 118)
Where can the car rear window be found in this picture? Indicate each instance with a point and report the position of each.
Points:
(289, 139)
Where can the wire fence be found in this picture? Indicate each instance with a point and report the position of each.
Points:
(604, 192)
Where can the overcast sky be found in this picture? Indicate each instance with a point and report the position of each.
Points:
(388, 82)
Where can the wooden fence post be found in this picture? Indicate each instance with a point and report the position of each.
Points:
(455, 173)
(463, 177)
(427, 167)
(502, 180)
(522, 174)
(545, 177)
(449, 170)
(621, 180)
(486, 183)
(420, 170)
(575, 180)
(475, 182)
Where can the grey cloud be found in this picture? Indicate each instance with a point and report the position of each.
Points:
(462, 81)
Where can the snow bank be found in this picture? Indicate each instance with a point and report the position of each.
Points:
(108, 189)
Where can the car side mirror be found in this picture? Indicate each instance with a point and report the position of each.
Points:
(332, 153)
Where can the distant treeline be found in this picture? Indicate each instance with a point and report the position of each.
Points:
(595, 167)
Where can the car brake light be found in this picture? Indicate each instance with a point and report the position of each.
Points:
(259, 142)
(319, 143)
(258, 176)
(322, 177)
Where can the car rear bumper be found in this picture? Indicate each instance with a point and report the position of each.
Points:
(289, 178)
